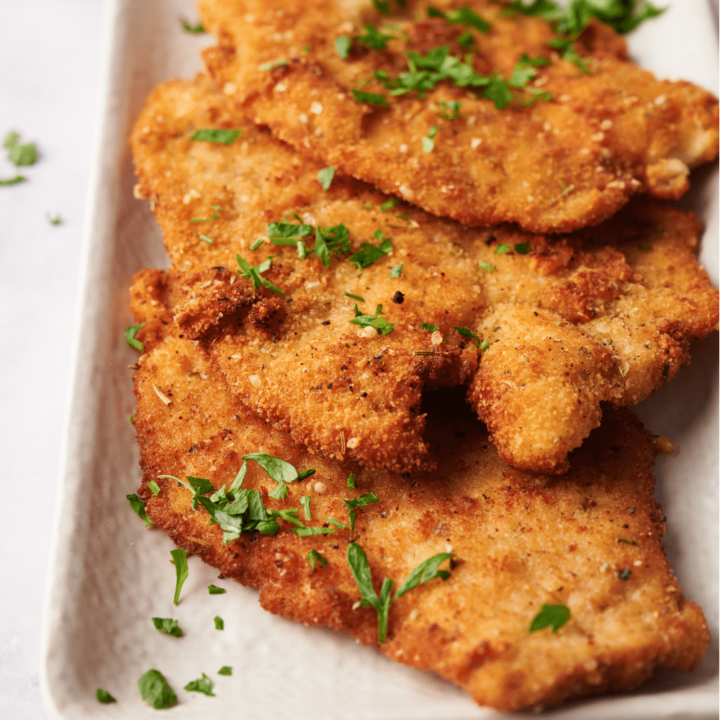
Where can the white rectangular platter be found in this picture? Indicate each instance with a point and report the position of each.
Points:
(110, 576)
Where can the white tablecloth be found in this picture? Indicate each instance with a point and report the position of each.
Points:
(50, 62)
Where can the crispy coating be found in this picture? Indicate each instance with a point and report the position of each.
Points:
(602, 315)
(550, 166)
(519, 540)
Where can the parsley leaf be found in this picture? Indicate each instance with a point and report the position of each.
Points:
(369, 253)
(370, 98)
(395, 271)
(305, 502)
(388, 204)
(179, 557)
(466, 332)
(429, 327)
(203, 685)
(325, 177)
(167, 626)
(225, 670)
(219, 623)
(139, 507)
(13, 181)
(554, 616)
(487, 266)
(19, 153)
(424, 572)
(215, 590)
(354, 297)
(314, 556)
(196, 29)
(308, 531)
(374, 38)
(450, 110)
(428, 143)
(502, 248)
(382, 6)
(104, 696)
(154, 487)
(277, 469)
(197, 486)
(484, 345)
(351, 484)
(220, 136)
(155, 689)
(522, 248)
(380, 324)
(357, 502)
(342, 45)
(130, 334)
(463, 16)
(254, 274)
(335, 239)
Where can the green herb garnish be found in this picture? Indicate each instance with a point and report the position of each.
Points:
(19, 153)
(196, 29)
(154, 487)
(56, 220)
(487, 266)
(215, 590)
(428, 143)
(370, 98)
(522, 248)
(155, 690)
(219, 623)
(450, 110)
(369, 253)
(388, 204)
(13, 181)
(167, 626)
(554, 616)
(314, 556)
(354, 297)
(429, 327)
(379, 323)
(463, 16)
(342, 45)
(225, 670)
(357, 502)
(360, 568)
(502, 248)
(351, 484)
(484, 345)
(139, 507)
(203, 685)
(305, 502)
(325, 177)
(104, 696)
(254, 274)
(466, 332)
(219, 135)
(179, 557)
(396, 271)
(130, 334)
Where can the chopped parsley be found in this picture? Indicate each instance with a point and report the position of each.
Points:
(625, 574)
(139, 507)
(13, 181)
(273, 65)
(219, 623)
(314, 556)
(256, 245)
(104, 696)
(522, 248)
(450, 110)
(568, 53)
(429, 327)
(207, 239)
(225, 670)
(54, 220)
(18, 153)
(382, 6)
(396, 271)
(197, 486)
(463, 16)
(215, 590)
(325, 177)
(308, 531)
(382, 326)
(351, 484)
(203, 685)
(155, 690)
(154, 487)
(357, 502)
(627, 542)
(328, 240)
(554, 616)
(337, 523)
(389, 204)
(342, 45)
(369, 253)
(487, 266)
(502, 248)
(428, 143)
(179, 557)
(466, 332)
(254, 274)
(197, 220)
(360, 568)
(196, 29)
(130, 334)
(167, 626)
(219, 136)
(374, 38)
(370, 98)
(484, 345)
(305, 502)
(354, 297)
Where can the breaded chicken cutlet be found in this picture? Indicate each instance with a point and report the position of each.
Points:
(541, 329)
(588, 542)
(416, 104)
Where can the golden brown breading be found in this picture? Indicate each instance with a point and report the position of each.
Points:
(589, 540)
(603, 315)
(551, 166)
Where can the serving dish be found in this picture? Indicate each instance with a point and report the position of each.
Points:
(110, 576)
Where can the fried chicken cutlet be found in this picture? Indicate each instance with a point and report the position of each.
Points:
(419, 108)
(542, 330)
(588, 542)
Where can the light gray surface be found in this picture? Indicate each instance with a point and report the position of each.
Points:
(50, 54)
